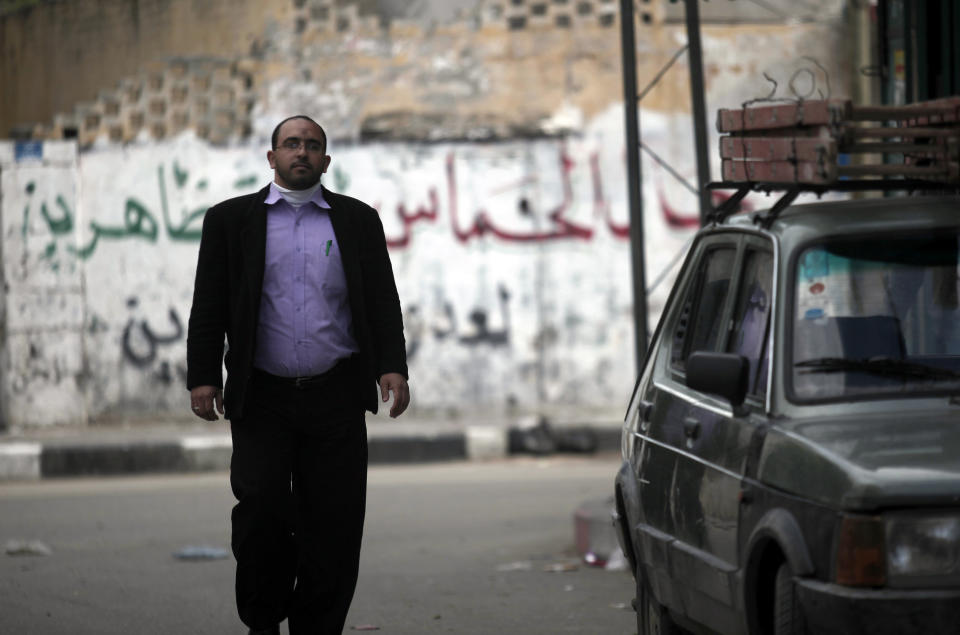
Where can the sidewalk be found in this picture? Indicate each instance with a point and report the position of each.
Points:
(162, 446)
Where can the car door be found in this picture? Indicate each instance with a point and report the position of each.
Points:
(694, 444)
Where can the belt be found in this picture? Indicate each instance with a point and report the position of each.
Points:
(307, 381)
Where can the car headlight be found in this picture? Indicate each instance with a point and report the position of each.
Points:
(899, 550)
(923, 549)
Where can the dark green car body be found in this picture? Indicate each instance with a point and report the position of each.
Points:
(799, 413)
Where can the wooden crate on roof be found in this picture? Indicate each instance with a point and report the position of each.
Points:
(803, 142)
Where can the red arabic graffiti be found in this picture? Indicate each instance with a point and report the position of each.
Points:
(482, 224)
(407, 219)
(560, 228)
(601, 205)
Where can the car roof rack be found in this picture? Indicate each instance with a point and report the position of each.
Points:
(790, 191)
(801, 146)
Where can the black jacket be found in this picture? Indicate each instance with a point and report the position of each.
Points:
(229, 281)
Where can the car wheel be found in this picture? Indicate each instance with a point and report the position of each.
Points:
(652, 618)
(787, 614)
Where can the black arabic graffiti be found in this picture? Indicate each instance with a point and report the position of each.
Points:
(446, 325)
(149, 339)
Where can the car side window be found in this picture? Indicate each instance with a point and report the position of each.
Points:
(751, 317)
(700, 323)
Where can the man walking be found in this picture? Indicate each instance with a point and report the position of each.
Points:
(299, 281)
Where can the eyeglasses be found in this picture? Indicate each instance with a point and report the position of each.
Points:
(293, 144)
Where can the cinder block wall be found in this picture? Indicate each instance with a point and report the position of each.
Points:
(58, 57)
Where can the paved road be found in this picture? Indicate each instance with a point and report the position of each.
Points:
(449, 548)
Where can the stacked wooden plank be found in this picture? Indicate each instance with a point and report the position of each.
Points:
(802, 141)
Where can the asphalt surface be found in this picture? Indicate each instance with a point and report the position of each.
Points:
(450, 547)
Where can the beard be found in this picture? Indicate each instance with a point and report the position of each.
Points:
(300, 179)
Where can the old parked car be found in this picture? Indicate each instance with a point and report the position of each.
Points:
(791, 451)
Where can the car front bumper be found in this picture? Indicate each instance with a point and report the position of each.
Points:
(831, 608)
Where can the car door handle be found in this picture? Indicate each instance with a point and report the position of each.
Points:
(646, 409)
(644, 413)
(691, 428)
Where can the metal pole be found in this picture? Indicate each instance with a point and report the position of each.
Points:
(695, 60)
(628, 51)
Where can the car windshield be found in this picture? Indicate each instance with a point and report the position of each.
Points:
(877, 315)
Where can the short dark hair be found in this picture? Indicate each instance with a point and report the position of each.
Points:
(275, 138)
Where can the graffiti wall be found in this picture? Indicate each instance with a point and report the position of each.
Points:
(512, 261)
(41, 314)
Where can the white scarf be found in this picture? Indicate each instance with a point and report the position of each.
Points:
(296, 198)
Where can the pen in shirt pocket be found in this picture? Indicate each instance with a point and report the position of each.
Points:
(329, 242)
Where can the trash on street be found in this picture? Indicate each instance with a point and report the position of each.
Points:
(201, 553)
(27, 548)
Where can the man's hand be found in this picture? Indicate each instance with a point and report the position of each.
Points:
(202, 399)
(395, 382)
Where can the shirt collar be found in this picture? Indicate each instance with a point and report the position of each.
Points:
(274, 196)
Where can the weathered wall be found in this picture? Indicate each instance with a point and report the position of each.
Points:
(61, 54)
(42, 362)
(511, 259)
(114, 71)
(488, 133)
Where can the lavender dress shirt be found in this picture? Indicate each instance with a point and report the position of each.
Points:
(305, 324)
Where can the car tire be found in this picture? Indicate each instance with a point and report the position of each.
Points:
(787, 613)
(652, 617)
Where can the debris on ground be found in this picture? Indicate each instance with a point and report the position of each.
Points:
(617, 561)
(561, 567)
(593, 532)
(364, 627)
(201, 552)
(27, 548)
(594, 560)
(535, 435)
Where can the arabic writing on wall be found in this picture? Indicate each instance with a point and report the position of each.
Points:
(140, 222)
(510, 260)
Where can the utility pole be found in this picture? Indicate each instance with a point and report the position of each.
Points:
(634, 179)
(695, 62)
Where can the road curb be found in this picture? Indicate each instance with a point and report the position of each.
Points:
(81, 456)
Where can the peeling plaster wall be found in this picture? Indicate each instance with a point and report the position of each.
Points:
(495, 156)
(511, 260)
(42, 371)
(61, 53)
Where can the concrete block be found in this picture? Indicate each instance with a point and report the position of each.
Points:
(417, 449)
(207, 453)
(486, 443)
(19, 461)
(131, 90)
(134, 458)
(180, 92)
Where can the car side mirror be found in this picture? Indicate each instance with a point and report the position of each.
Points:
(722, 374)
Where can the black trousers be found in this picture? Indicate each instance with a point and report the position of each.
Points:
(299, 473)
